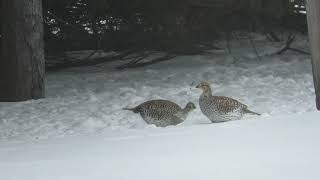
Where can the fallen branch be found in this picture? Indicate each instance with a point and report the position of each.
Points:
(92, 62)
(154, 61)
(288, 47)
(181, 51)
(134, 61)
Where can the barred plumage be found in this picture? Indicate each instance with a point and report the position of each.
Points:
(220, 108)
(162, 113)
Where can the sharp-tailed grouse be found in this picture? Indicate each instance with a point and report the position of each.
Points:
(162, 113)
(220, 108)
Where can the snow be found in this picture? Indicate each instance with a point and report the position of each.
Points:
(285, 147)
(79, 131)
(89, 100)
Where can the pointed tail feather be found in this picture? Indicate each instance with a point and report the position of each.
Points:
(247, 111)
(128, 109)
(131, 109)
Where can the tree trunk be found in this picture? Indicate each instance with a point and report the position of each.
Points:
(313, 16)
(22, 53)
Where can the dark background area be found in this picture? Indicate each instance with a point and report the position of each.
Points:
(176, 27)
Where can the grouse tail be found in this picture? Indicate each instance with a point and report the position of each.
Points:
(131, 109)
(247, 111)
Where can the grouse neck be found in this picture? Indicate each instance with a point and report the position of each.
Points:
(207, 93)
(185, 110)
(185, 113)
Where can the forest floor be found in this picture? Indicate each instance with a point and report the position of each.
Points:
(81, 132)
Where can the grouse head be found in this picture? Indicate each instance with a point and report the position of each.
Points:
(204, 86)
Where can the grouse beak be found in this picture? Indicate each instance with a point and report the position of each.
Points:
(198, 86)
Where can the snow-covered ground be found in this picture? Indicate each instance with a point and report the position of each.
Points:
(80, 132)
(89, 100)
(277, 148)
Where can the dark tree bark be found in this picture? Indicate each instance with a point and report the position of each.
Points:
(22, 66)
(313, 16)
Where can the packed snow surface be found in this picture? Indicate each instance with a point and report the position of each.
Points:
(90, 100)
(272, 148)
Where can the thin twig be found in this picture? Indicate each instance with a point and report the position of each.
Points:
(254, 47)
(228, 43)
(134, 61)
(90, 55)
(289, 41)
(300, 51)
(287, 47)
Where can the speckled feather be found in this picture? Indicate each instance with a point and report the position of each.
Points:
(220, 108)
(162, 113)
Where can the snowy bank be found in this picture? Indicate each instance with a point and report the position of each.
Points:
(89, 100)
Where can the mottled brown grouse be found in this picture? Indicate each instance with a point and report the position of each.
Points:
(162, 113)
(220, 108)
